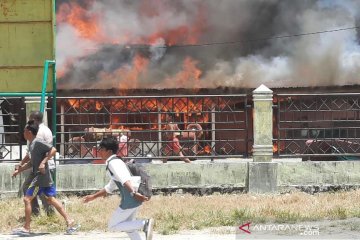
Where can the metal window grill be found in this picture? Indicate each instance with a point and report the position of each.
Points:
(210, 126)
(317, 125)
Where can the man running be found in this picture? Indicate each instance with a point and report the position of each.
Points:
(45, 134)
(42, 182)
(124, 217)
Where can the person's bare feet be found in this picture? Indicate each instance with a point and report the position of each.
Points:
(70, 223)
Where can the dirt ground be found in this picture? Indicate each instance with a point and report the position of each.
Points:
(327, 229)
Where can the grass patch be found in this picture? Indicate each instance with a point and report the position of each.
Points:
(338, 213)
(179, 212)
(169, 223)
(287, 216)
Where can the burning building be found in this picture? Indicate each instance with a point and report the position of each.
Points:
(206, 44)
(162, 49)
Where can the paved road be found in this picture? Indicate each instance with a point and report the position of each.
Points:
(108, 236)
(189, 235)
(325, 229)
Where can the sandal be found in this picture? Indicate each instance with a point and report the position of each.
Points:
(21, 231)
(72, 228)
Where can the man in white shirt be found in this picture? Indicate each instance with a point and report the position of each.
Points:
(46, 135)
(124, 217)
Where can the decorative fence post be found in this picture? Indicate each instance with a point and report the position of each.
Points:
(263, 124)
(262, 172)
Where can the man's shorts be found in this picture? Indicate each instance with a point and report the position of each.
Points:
(35, 190)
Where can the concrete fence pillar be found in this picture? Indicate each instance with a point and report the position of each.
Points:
(33, 104)
(262, 173)
(263, 124)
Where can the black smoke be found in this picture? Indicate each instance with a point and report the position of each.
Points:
(238, 44)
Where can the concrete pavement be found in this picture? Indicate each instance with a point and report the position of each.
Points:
(107, 236)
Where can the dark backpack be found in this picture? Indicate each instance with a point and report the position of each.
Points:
(135, 169)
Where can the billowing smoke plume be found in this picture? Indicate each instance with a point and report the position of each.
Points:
(137, 44)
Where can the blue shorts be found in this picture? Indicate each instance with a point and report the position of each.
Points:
(35, 190)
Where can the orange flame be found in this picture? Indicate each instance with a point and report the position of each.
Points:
(128, 76)
(188, 76)
(88, 26)
(75, 103)
(85, 22)
(190, 111)
(86, 104)
(207, 149)
(275, 148)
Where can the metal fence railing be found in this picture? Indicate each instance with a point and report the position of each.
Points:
(210, 126)
(12, 117)
(317, 125)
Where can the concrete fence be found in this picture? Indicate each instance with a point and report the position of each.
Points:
(205, 177)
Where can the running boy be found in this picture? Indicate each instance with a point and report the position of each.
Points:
(124, 217)
(42, 182)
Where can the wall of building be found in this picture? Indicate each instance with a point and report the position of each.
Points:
(26, 41)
